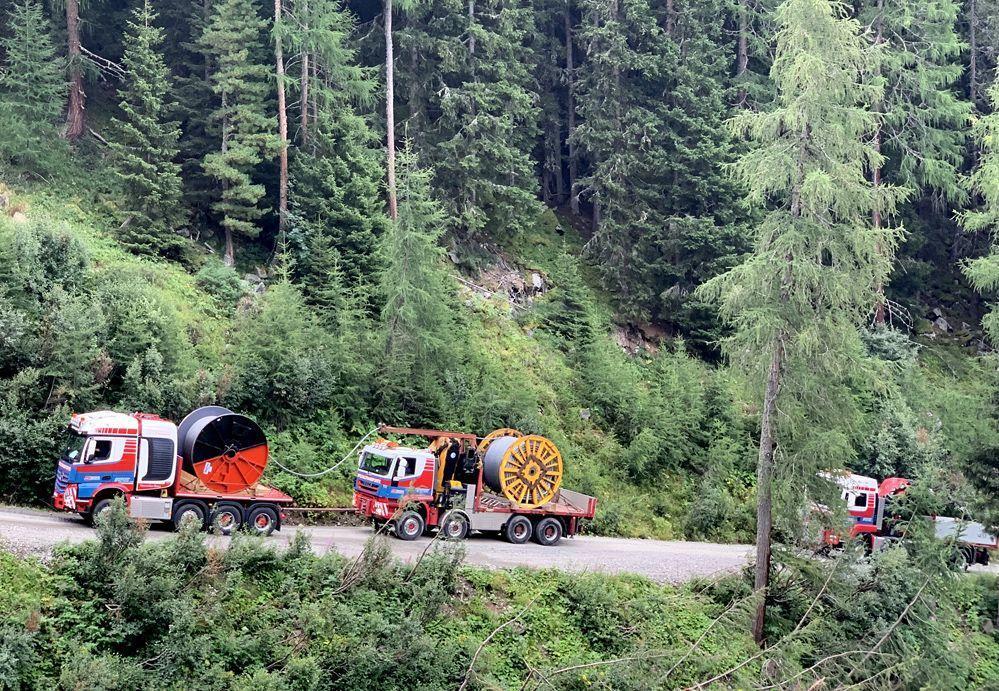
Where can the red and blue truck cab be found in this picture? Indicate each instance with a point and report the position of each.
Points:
(444, 487)
(141, 458)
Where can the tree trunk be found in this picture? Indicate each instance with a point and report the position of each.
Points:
(390, 113)
(742, 51)
(229, 257)
(973, 52)
(570, 83)
(74, 112)
(282, 127)
(879, 289)
(303, 136)
(764, 487)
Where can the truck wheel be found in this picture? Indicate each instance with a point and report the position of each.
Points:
(548, 532)
(226, 519)
(262, 520)
(455, 526)
(189, 512)
(99, 508)
(409, 526)
(518, 530)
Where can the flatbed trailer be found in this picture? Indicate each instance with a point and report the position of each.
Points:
(401, 488)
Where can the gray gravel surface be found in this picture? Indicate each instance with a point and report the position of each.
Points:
(30, 531)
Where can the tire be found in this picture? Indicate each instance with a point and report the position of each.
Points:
(99, 508)
(548, 532)
(518, 530)
(226, 519)
(409, 526)
(263, 520)
(455, 526)
(198, 511)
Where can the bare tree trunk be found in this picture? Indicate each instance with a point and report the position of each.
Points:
(879, 288)
(390, 112)
(570, 72)
(74, 112)
(303, 106)
(973, 49)
(229, 255)
(764, 488)
(282, 108)
(742, 50)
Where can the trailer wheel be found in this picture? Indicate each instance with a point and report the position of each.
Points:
(409, 526)
(226, 519)
(455, 526)
(518, 530)
(548, 532)
(262, 520)
(190, 511)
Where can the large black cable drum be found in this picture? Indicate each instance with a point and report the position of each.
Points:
(225, 450)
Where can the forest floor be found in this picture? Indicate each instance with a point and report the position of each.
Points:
(35, 532)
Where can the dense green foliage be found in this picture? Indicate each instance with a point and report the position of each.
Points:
(613, 219)
(145, 145)
(123, 613)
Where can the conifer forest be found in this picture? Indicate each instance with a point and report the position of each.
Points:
(716, 251)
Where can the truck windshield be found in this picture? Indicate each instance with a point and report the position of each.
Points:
(375, 463)
(74, 446)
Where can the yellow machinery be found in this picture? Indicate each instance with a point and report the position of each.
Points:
(526, 469)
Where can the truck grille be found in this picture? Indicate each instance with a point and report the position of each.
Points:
(62, 477)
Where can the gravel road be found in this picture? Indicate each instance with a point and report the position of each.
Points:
(30, 531)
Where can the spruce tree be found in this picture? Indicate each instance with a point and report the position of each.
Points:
(418, 324)
(922, 125)
(32, 89)
(242, 82)
(336, 170)
(983, 184)
(795, 303)
(189, 62)
(145, 146)
(472, 94)
(653, 99)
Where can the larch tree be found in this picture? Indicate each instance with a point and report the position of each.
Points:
(983, 185)
(242, 84)
(796, 302)
(418, 323)
(145, 144)
(32, 88)
(922, 125)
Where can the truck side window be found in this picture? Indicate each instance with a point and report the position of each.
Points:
(860, 500)
(100, 451)
(405, 467)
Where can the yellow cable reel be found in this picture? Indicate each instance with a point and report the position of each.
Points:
(527, 470)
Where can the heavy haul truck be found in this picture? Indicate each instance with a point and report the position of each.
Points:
(868, 504)
(506, 483)
(207, 469)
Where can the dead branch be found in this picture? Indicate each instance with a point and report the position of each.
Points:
(471, 665)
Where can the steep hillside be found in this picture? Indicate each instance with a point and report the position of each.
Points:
(665, 440)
